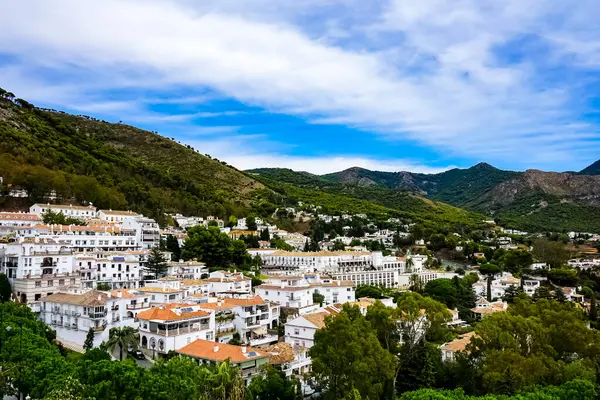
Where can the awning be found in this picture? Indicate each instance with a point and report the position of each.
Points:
(259, 331)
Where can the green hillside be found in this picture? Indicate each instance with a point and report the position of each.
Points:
(114, 166)
(118, 166)
(366, 199)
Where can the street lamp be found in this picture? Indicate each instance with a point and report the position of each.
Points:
(153, 344)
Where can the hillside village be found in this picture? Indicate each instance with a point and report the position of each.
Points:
(86, 271)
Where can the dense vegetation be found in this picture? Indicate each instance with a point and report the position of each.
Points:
(532, 201)
(373, 201)
(538, 346)
(114, 166)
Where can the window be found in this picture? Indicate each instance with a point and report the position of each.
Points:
(296, 331)
(61, 282)
(38, 284)
(50, 283)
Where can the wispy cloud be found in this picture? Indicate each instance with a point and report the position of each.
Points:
(451, 75)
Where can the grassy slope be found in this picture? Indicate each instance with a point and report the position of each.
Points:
(114, 165)
(370, 200)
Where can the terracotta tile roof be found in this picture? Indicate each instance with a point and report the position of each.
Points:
(490, 309)
(317, 319)
(91, 298)
(282, 352)
(190, 282)
(205, 349)
(253, 301)
(458, 344)
(19, 216)
(216, 305)
(172, 312)
(125, 294)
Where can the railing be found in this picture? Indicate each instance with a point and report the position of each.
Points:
(97, 315)
(114, 308)
(99, 328)
(137, 306)
(225, 332)
(75, 313)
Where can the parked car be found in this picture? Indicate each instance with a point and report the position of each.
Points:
(137, 354)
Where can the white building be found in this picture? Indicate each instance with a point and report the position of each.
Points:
(76, 310)
(300, 331)
(297, 291)
(187, 269)
(116, 216)
(451, 349)
(71, 211)
(228, 283)
(170, 327)
(122, 269)
(19, 219)
(251, 317)
(147, 231)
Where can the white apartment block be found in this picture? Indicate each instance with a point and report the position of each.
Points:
(19, 219)
(252, 317)
(228, 283)
(84, 238)
(187, 269)
(116, 216)
(146, 230)
(117, 269)
(173, 326)
(297, 291)
(78, 212)
(300, 331)
(76, 310)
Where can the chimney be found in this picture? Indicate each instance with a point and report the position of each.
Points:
(99, 298)
(216, 349)
(244, 349)
(339, 283)
(119, 293)
(219, 302)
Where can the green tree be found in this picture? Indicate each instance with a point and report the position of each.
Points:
(122, 337)
(272, 384)
(490, 271)
(88, 344)
(172, 246)
(69, 389)
(251, 223)
(103, 287)
(215, 248)
(318, 298)
(5, 288)
(442, 290)
(232, 221)
(265, 235)
(347, 355)
(542, 293)
(156, 265)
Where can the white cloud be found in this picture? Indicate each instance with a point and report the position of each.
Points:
(435, 77)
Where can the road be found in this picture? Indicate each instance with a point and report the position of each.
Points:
(142, 363)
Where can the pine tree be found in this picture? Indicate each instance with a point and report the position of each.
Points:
(559, 295)
(89, 340)
(265, 235)
(5, 289)
(172, 245)
(156, 264)
(306, 246)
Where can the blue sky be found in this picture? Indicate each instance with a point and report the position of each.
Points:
(323, 85)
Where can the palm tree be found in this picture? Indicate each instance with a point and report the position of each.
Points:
(226, 382)
(409, 263)
(122, 337)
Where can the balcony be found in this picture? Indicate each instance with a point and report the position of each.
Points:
(225, 332)
(97, 315)
(99, 328)
(138, 306)
(180, 331)
(266, 339)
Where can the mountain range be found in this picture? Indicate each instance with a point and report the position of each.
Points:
(80, 159)
(531, 200)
